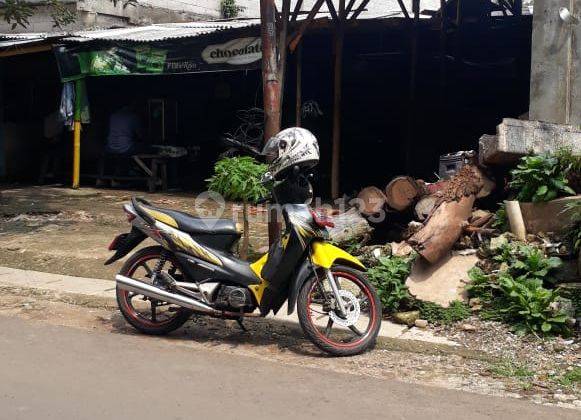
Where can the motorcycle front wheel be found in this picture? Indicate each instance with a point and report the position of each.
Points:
(339, 334)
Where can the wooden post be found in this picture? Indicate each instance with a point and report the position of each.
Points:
(271, 90)
(443, 29)
(337, 92)
(299, 80)
(77, 135)
(2, 148)
(282, 51)
(412, 87)
(270, 76)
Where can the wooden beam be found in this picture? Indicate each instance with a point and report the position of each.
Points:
(299, 87)
(305, 24)
(412, 86)
(332, 10)
(282, 51)
(271, 91)
(297, 10)
(403, 9)
(349, 7)
(25, 50)
(360, 9)
(337, 97)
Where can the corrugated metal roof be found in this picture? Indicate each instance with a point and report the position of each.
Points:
(162, 32)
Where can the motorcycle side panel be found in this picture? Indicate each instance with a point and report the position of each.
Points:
(325, 255)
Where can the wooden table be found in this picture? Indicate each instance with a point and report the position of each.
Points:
(155, 167)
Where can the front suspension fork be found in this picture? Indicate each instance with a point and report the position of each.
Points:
(335, 289)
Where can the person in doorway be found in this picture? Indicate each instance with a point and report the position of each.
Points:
(51, 146)
(125, 133)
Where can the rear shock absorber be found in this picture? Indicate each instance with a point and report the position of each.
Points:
(155, 277)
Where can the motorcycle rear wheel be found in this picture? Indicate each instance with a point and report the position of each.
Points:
(315, 305)
(140, 266)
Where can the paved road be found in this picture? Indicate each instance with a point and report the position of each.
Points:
(49, 372)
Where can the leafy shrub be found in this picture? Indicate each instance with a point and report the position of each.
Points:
(574, 230)
(239, 178)
(571, 166)
(539, 178)
(230, 9)
(526, 261)
(389, 277)
(436, 314)
(522, 302)
(500, 220)
(530, 306)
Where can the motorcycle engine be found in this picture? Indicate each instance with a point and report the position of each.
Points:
(232, 297)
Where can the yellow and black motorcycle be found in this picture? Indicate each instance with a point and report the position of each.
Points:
(194, 271)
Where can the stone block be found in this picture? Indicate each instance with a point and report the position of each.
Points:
(516, 138)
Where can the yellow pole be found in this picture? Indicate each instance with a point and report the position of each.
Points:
(77, 154)
(77, 136)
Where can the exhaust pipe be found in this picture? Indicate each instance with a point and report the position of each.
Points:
(131, 285)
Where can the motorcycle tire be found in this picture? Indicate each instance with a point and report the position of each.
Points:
(320, 338)
(179, 318)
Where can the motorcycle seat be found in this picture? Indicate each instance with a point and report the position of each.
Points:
(188, 223)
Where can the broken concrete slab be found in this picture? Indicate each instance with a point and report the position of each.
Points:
(441, 283)
(516, 138)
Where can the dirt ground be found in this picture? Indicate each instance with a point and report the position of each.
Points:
(65, 231)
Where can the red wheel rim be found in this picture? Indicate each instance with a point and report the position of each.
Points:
(372, 309)
(126, 297)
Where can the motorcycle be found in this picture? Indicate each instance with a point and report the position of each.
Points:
(193, 270)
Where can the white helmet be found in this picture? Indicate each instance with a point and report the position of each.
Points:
(291, 147)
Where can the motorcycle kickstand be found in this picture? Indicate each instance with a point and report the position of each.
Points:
(241, 325)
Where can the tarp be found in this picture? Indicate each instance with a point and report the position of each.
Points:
(224, 52)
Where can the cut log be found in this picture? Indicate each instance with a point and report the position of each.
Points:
(447, 221)
(370, 201)
(443, 229)
(350, 227)
(401, 192)
(425, 206)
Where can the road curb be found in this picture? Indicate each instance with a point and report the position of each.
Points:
(382, 343)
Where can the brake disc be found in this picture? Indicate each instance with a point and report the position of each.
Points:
(352, 310)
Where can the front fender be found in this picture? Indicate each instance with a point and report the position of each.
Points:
(326, 255)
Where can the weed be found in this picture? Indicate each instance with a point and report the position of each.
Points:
(540, 178)
(511, 369)
(389, 277)
(571, 378)
(436, 314)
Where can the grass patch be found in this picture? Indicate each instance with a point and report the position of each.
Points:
(511, 369)
(571, 378)
(436, 314)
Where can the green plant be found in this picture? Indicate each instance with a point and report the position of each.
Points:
(529, 306)
(526, 261)
(511, 369)
(500, 220)
(230, 9)
(570, 164)
(239, 178)
(571, 378)
(574, 230)
(18, 12)
(539, 178)
(389, 277)
(436, 314)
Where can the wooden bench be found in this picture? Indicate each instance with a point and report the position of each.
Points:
(154, 168)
